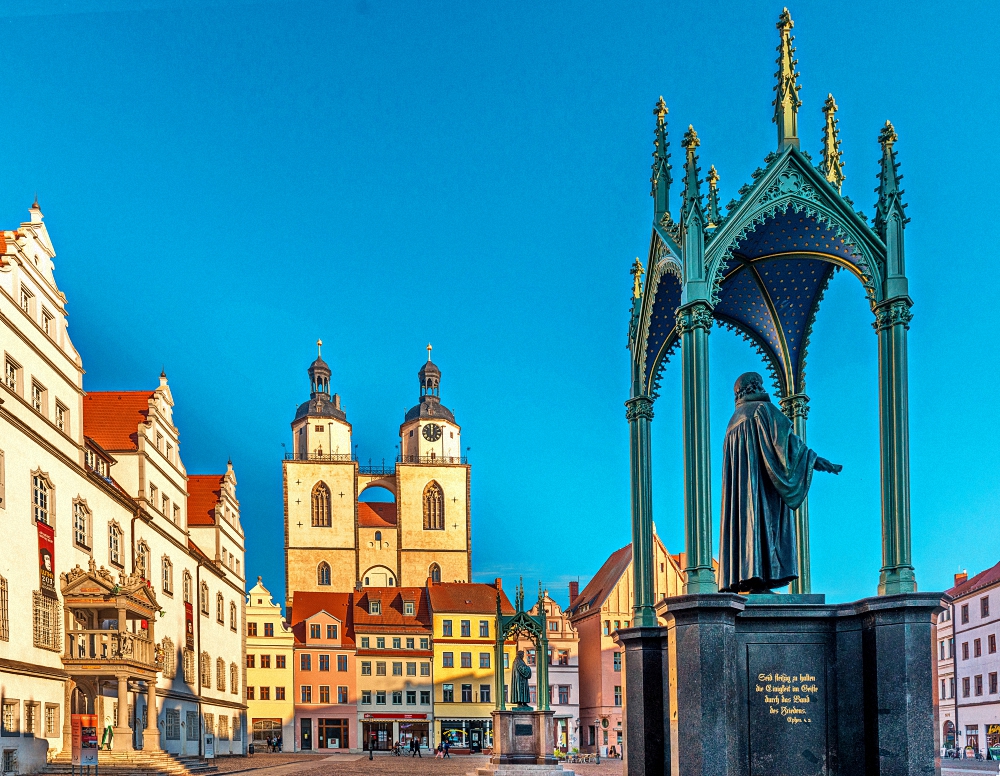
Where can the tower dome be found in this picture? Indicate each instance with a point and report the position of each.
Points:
(430, 405)
(321, 404)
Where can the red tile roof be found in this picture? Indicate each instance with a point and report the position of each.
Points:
(112, 418)
(204, 492)
(376, 514)
(391, 617)
(471, 597)
(306, 604)
(983, 579)
(604, 581)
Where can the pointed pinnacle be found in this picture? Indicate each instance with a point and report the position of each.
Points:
(660, 111)
(690, 138)
(713, 177)
(832, 165)
(888, 134)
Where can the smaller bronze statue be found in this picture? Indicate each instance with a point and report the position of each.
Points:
(520, 696)
(766, 473)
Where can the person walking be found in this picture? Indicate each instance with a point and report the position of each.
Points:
(447, 747)
(439, 752)
(416, 748)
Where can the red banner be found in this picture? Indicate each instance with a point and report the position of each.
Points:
(189, 624)
(46, 559)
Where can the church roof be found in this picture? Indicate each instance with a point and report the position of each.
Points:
(320, 406)
(112, 418)
(429, 407)
(376, 514)
(467, 597)
(599, 588)
(204, 492)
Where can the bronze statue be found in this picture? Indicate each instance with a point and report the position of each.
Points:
(520, 674)
(766, 473)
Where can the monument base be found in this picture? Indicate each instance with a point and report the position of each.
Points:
(781, 684)
(523, 743)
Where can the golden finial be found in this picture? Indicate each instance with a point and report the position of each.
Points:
(713, 197)
(319, 347)
(832, 165)
(690, 138)
(428, 352)
(660, 111)
(637, 272)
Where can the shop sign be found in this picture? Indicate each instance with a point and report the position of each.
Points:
(46, 559)
(395, 716)
(84, 743)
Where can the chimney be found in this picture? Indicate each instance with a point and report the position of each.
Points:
(498, 583)
(961, 577)
(574, 591)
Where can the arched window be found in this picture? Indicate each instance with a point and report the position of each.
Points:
(206, 670)
(321, 505)
(220, 674)
(142, 560)
(115, 544)
(169, 658)
(203, 598)
(434, 572)
(232, 616)
(42, 503)
(187, 587)
(433, 507)
(323, 574)
(378, 536)
(234, 678)
(82, 534)
(220, 608)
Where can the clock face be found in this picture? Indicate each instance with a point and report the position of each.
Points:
(432, 432)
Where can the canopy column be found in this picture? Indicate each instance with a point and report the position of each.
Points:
(796, 409)
(693, 323)
(892, 320)
(639, 414)
(123, 733)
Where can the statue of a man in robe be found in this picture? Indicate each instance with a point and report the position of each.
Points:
(520, 674)
(766, 473)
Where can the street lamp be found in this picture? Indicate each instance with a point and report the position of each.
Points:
(597, 738)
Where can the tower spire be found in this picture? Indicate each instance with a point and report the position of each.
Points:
(637, 272)
(890, 196)
(319, 348)
(832, 166)
(661, 179)
(713, 197)
(692, 192)
(429, 349)
(786, 101)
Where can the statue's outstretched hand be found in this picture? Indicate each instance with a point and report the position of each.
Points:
(823, 465)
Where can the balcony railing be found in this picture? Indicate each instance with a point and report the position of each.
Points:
(108, 645)
(377, 469)
(433, 459)
(343, 457)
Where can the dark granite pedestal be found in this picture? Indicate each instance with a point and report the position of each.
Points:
(523, 744)
(782, 685)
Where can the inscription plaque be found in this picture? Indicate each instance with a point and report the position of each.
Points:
(523, 730)
(786, 700)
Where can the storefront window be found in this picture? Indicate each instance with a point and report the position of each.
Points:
(993, 742)
(472, 734)
(332, 734)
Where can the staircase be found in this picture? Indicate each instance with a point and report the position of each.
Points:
(136, 764)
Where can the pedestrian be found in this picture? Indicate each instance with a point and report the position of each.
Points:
(279, 743)
(447, 747)
(416, 748)
(439, 752)
(412, 751)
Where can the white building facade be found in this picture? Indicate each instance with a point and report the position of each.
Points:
(100, 560)
(969, 666)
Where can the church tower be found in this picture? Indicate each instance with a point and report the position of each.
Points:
(433, 481)
(320, 485)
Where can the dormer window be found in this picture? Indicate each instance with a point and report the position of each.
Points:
(408, 607)
(315, 631)
(374, 607)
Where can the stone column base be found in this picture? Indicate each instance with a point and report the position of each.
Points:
(524, 737)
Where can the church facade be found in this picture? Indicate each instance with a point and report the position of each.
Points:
(336, 542)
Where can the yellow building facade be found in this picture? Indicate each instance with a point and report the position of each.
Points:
(336, 539)
(270, 682)
(464, 640)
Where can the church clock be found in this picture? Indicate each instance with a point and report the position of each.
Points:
(431, 432)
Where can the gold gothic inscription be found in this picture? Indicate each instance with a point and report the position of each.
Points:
(792, 696)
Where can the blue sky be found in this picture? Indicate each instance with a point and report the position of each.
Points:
(227, 182)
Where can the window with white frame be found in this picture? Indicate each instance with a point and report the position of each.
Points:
(204, 598)
(232, 616)
(115, 544)
(234, 679)
(45, 622)
(188, 660)
(176, 513)
(169, 658)
(165, 506)
(152, 495)
(39, 397)
(52, 720)
(12, 375)
(186, 585)
(206, 670)
(142, 560)
(173, 724)
(27, 298)
(220, 674)
(168, 576)
(10, 723)
(220, 609)
(62, 418)
(82, 535)
(47, 323)
(41, 499)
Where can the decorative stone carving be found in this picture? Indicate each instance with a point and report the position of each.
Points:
(897, 312)
(796, 406)
(787, 183)
(697, 315)
(639, 407)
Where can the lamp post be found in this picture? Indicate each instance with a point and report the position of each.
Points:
(597, 738)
